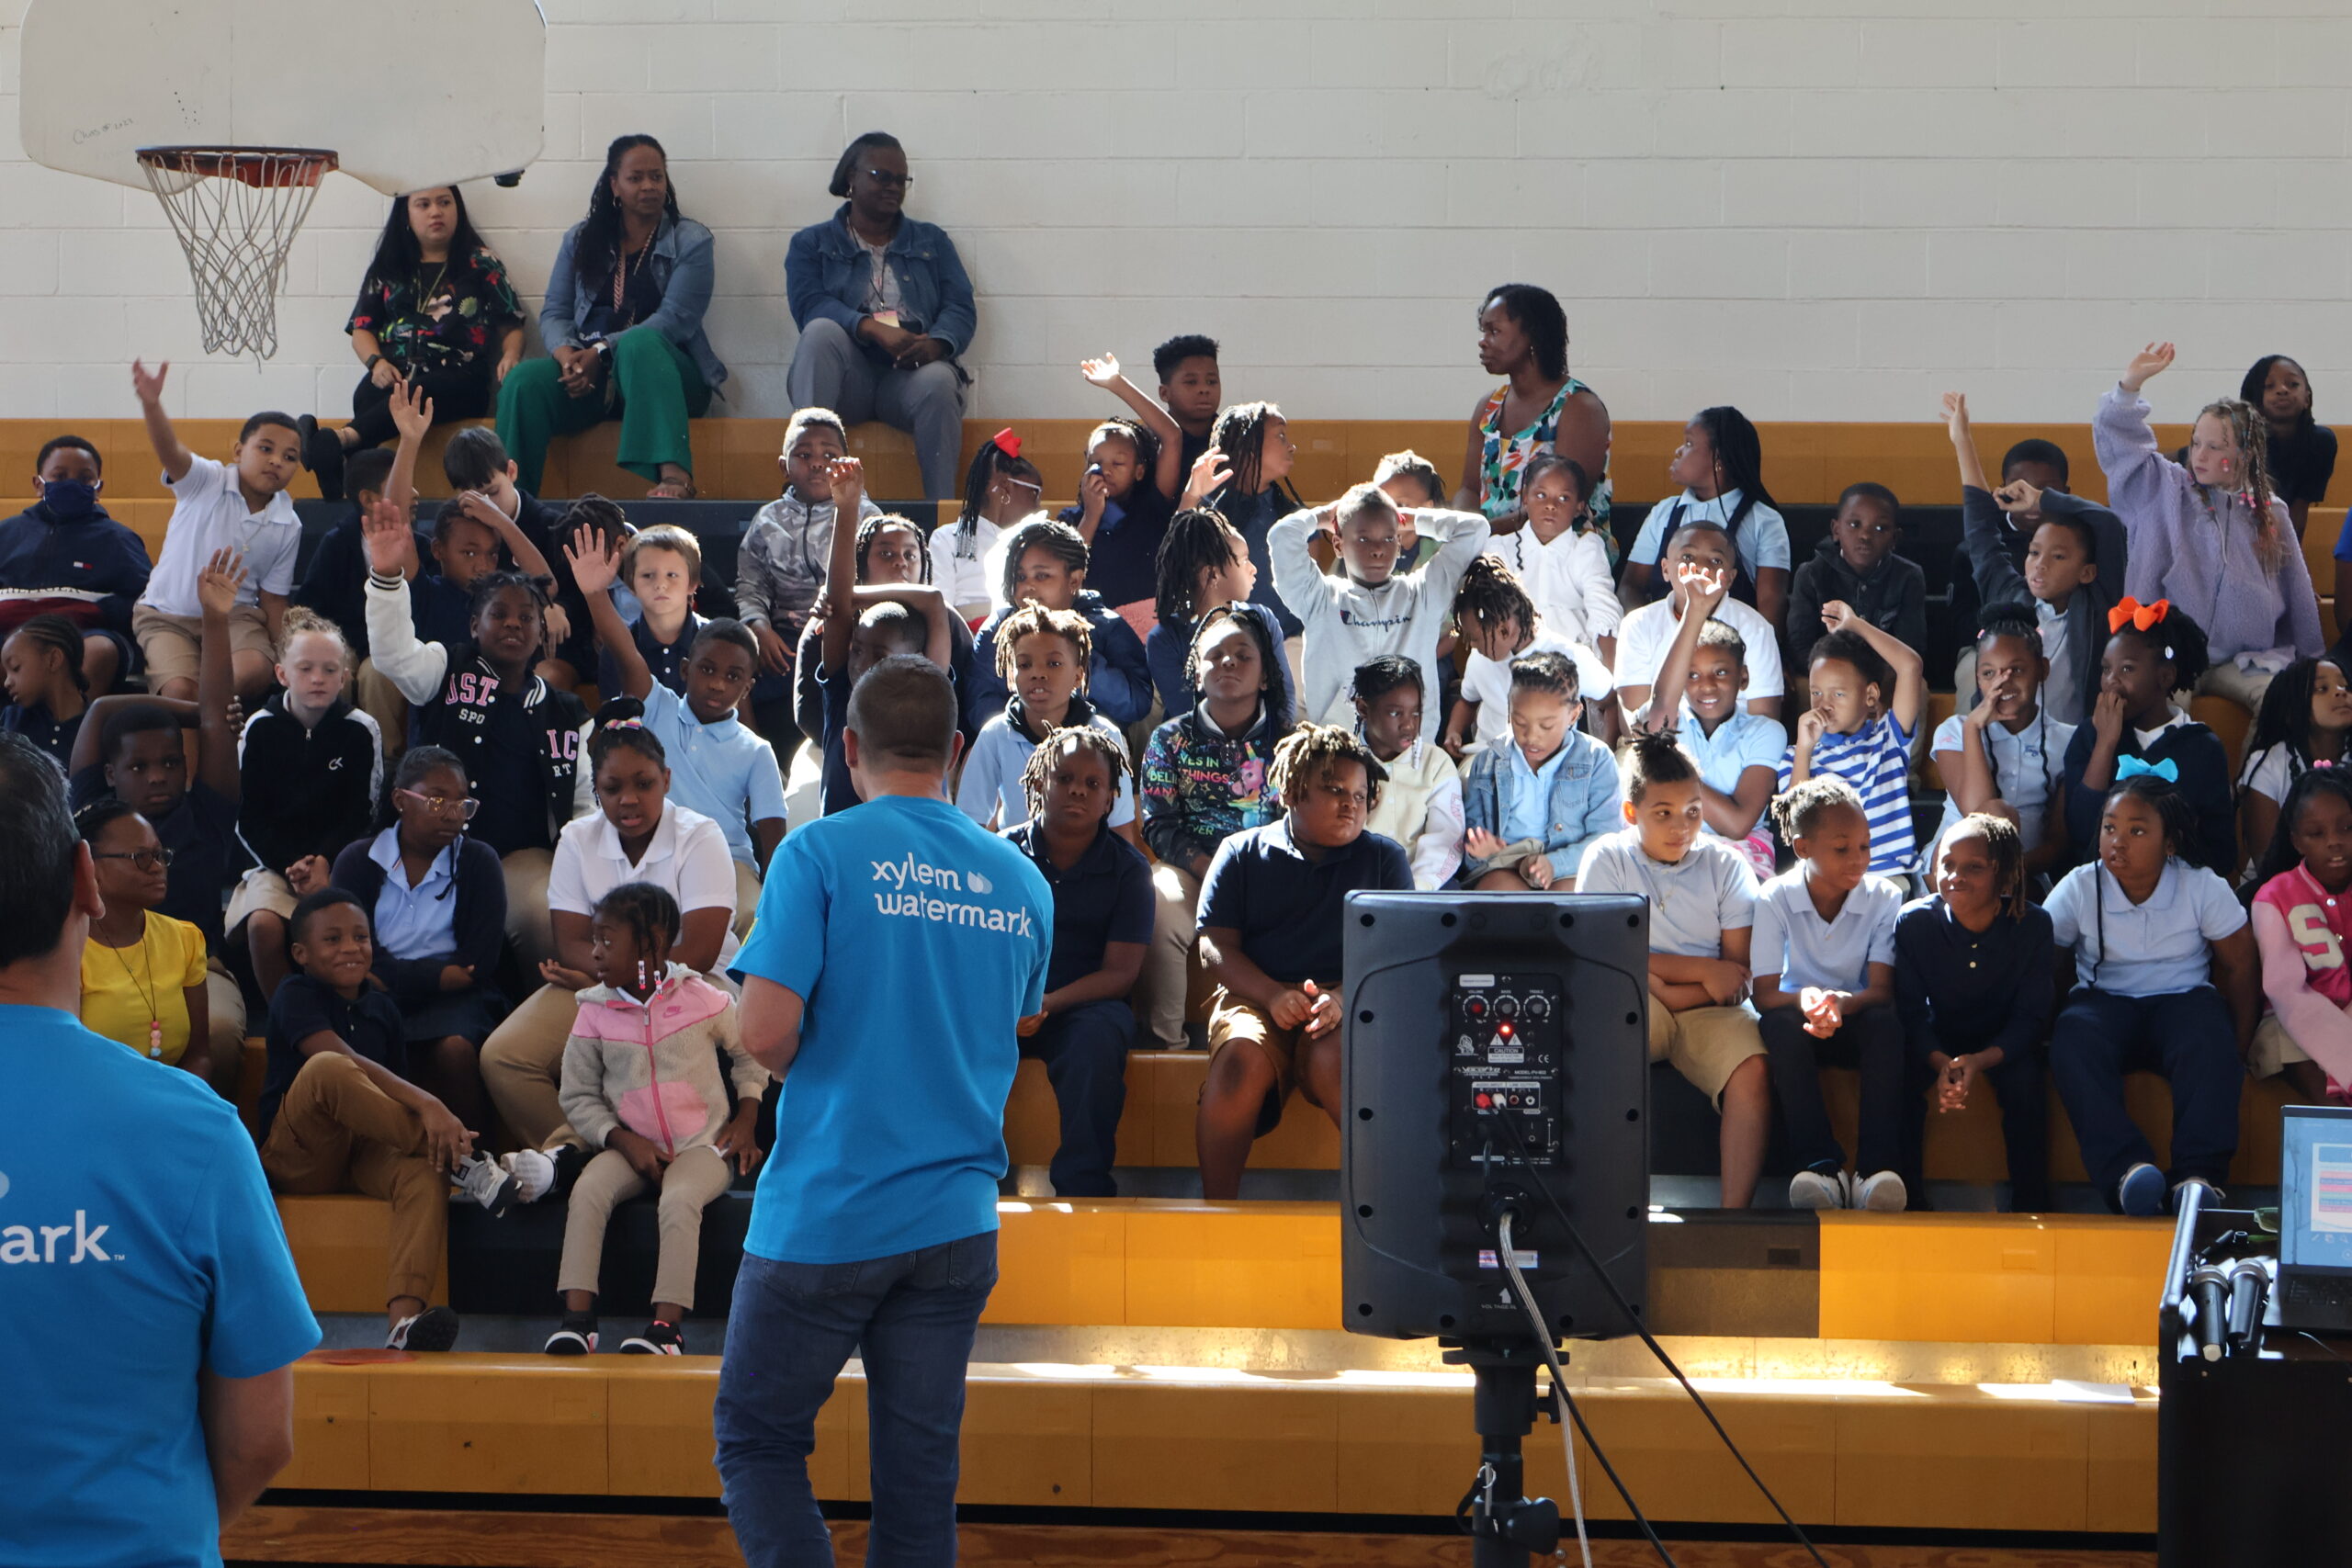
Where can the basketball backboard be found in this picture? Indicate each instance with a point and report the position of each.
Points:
(422, 93)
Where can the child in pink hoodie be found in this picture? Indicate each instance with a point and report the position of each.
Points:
(641, 1084)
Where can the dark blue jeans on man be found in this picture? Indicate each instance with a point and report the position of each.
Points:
(792, 1326)
(2189, 1037)
(1085, 1053)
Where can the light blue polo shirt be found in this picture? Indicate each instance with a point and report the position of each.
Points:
(917, 941)
(724, 771)
(414, 922)
(1742, 742)
(1793, 941)
(138, 1247)
(1527, 792)
(2149, 950)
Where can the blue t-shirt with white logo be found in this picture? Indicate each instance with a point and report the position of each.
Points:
(917, 941)
(138, 1246)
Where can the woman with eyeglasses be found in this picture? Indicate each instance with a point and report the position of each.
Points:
(143, 972)
(436, 904)
(883, 307)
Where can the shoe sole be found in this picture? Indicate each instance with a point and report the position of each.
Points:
(2154, 1205)
(636, 1345)
(1814, 1197)
(564, 1342)
(498, 1202)
(1887, 1201)
(434, 1332)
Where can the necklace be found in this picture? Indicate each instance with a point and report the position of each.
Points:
(621, 269)
(147, 992)
(426, 292)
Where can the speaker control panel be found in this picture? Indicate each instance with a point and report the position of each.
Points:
(1505, 1049)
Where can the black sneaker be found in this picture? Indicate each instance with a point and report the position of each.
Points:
(659, 1339)
(323, 454)
(577, 1336)
(434, 1329)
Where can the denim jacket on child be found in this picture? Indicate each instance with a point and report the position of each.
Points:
(1587, 801)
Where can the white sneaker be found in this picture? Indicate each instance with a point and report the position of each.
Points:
(1811, 1189)
(487, 1182)
(1881, 1194)
(533, 1173)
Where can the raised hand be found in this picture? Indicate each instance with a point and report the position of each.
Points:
(1704, 588)
(1099, 372)
(391, 546)
(2018, 498)
(147, 385)
(596, 560)
(217, 586)
(848, 477)
(1838, 616)
(2150, 361)
(412, 410)
(1210, 472)
(1956, 414)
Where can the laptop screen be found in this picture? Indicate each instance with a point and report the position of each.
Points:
(2315, 1187)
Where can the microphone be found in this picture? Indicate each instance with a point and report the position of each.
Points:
(2249, 1284)
(2209, 1287)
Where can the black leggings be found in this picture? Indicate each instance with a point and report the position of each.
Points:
(456, 394)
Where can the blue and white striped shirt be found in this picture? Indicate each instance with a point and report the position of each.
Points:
(1876, 760)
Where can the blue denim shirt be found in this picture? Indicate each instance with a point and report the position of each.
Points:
(1586, 803)
(826, 272)
(683, 264)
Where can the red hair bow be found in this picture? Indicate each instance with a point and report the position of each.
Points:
(1006, 442)
(2139, 617)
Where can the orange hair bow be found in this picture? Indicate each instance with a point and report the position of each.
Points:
(2140, 617)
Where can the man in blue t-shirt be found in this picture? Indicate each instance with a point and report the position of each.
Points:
(898, 951)
(151, 1307)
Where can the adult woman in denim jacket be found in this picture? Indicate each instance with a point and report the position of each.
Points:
(883, 307)
(623, 325)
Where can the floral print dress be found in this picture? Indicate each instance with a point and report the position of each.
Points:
(1502, 458)
(442, 319)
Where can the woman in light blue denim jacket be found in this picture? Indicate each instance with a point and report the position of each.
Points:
(622, 326)
(883, 307)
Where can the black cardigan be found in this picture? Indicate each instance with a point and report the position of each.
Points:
(2204, 778)
(479, 923)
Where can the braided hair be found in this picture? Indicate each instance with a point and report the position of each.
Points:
(2251, 430)
(1654, 758)
(1030, 620)
(1198, 541)
(2285, 719)
(1796, 810)
(2279, 855)
(1240, 435)
(2005, 846)
(619, 729)
(1490, 597)
(1060, 540)
(61, 637)
(597, 250)
(1378, 676)
(1739, 465)
(1240, 613)
(99, 814)
(873, 529)
(989, 462)
(1059, 743)
(2020, 621)
(1316, 749)
(649, 913)
(490, 584)
(1145, 442)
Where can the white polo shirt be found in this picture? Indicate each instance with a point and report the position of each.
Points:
(687, 858)
(1645, 634)
(208, 514)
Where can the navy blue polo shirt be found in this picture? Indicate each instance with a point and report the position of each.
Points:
(1106, 897)
(372, 1026)
(1289, 909)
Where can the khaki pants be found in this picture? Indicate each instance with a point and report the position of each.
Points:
(689, 1185)
(522, 1065)
(528, 926)
(1706, 1045)
(171, 643)
(747, 900)
(1168, 971)
(337, 1131)
(2243, 687)
(374, 694)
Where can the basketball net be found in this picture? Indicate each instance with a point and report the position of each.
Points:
(236, 211)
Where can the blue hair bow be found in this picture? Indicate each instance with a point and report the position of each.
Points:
(2131, 767)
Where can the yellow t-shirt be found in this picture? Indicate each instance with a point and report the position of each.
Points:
(126, 989)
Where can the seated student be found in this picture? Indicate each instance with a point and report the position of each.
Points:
(780, 564)
(1413, 482)
(1250, 488)
(2305, 721)
(1045, 563)
(1420, 804)
(475, 461)
(889, 551)
(1270, 932)
(2301, 917)
(2210, 535)
(334, 588)
(719, 768)
(1867, 694)
(1738, 752)
(641, 1086)
(41, 668)
(1571, 576)
(62, 554)
(470, 538)
(1646, 633)
(131, 747)
(2032, 541)
(1823, 964)
(1720, 466)
(1191, 390)
(1499, 621)
(1973, 985)
(1857, 564)
(242, 507)
(520, 736)
(636, 834)
(2165, 978)
(1703, 907)
(2152, 651)
(1103, 915)
(1204, 563)
(2301, 452)
(2002, 756)
(662, 566)
(143, 975)
(437, 905)
(1134, 479)
(311, 768)
(1204, 778)
(1043, 654)
(1372, 608)
(343, 1109)
(1531, 807)
(1001, 489)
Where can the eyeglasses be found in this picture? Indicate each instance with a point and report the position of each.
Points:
(465, 806)
(145, 860)
(885, 177)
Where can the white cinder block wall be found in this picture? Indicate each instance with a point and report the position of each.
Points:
(1816, 209)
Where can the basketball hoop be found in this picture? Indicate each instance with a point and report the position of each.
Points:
(236, 211)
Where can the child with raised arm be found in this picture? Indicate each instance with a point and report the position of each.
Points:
(2209, 535)
(1134, 474)
(1371, 608)
(780, 565)
(1869, 691)
(475, 461)
(641, 1086)
(1646, 633)
(1702, 908)
(240, 506)
(1738, 752)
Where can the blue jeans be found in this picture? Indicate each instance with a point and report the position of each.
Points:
(791, 1328)
(2189, 1037)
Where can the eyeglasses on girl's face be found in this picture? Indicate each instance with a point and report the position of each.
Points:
(462, 806)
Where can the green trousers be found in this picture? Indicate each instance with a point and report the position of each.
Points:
(652, 389)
